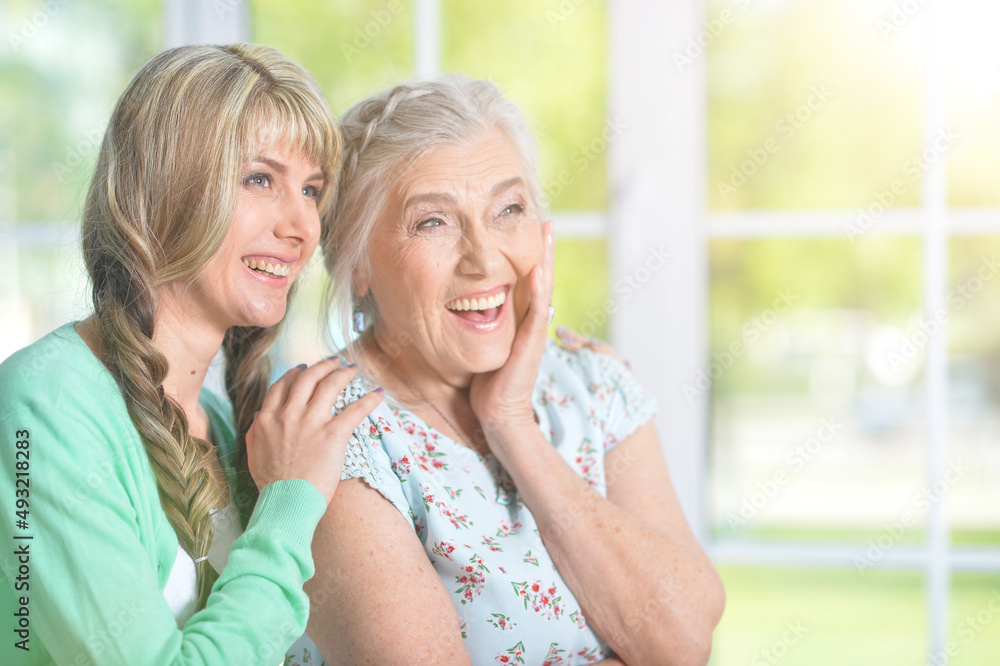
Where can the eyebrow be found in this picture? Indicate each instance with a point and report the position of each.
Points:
(506, 185)
(437, 197)
(282, 168)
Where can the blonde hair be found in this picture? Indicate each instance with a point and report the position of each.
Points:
(383, 135)
(159, 206)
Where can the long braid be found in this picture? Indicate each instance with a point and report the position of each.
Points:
(124, 306)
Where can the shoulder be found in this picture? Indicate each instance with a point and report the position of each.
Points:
(62, 395)
(593, 371)
(599, 385)
(58, 371)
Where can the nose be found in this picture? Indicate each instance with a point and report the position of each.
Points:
(480, 251)
(297, 220)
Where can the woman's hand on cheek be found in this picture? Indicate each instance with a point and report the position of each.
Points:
(296, 436)
(502, 399)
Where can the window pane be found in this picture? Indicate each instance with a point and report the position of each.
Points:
(820, 617)
(581, 288)
(351, 49)
(811, 105)
(974, 419)
(975, 619)
(816, 429)
(63, 67)
(552, 60)
(972, 59)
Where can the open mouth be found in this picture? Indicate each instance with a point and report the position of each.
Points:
(478, 310)
(271, 269)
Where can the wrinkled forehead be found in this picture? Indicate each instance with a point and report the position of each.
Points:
(479, 169)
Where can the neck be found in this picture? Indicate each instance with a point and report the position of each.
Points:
(399, 371)
(189, 347)
(401, 365)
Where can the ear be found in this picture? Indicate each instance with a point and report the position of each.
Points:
(359, 283)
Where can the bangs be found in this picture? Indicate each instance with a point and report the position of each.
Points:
(280, 119)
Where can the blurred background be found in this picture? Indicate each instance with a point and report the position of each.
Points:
(824, 334)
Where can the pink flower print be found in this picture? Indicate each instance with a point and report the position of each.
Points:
(444, 549)
(500, 621)
(601, 391)
(480, 491)
(591, 655)
(530, 559)
(543, 600)
(456, 518)
(453, 493)
(581, 621)
(427, 456)
(502, 569)
(507, 529)
(553, 398)
(493, 545)
(586, 462)
(514, 655)
(377, 429)
(401, 466)
(473, 579)
(594, 419)
(610, 441)
(553, 658)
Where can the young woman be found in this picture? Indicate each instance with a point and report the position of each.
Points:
(116, 481)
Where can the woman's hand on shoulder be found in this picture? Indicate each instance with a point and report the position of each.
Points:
(296, 436)
(502, 399)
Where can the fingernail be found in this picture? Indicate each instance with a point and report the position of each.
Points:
(335, 357)
(380, 390)
(352, 365)
(301, 366)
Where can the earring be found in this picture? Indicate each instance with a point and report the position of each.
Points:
(359, 321)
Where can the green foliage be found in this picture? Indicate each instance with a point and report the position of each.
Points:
(762, 71)
(352, 49)
(847, 618)
(61, 69)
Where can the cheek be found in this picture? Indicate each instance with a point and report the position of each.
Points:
(525, 253)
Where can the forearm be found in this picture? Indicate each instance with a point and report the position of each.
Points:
(609, 559)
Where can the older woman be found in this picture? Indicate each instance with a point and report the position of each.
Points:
(509, 501)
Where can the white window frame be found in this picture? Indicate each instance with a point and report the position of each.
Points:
(657, 178)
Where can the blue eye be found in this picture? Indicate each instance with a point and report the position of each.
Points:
(311, 191)
(430, 222)
(258, 179)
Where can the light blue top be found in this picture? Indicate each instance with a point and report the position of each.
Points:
(513, 605)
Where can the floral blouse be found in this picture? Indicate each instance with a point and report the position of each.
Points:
(513, 606)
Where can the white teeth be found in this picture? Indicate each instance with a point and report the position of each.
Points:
(462, 304)
(278, 270)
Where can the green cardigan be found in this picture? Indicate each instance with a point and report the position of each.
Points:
(101, 547)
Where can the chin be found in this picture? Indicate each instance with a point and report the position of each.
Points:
(488, 360)
(264, 319)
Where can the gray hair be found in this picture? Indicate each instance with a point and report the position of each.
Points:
(385, 134)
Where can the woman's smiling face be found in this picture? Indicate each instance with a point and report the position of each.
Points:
(273, 233)
(450, 257)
